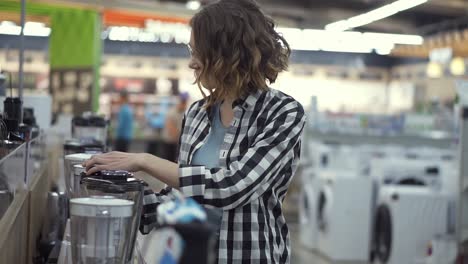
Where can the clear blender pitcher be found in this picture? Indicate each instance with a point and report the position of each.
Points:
(120, 185)
(100, 229)
(69, 162)
(90, 126)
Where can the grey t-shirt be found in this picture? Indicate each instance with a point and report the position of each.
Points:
(208, 154)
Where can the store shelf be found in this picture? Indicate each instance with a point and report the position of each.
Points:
(439, 141)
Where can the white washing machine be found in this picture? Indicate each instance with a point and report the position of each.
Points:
(321, 156)
(316, 155)
(345, 216)
(406, 171)
(308, 230)
(407, 218)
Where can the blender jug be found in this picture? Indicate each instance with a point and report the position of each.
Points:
(78, 169)
(120, 185)
(100, 229)
(90, 126)
(70, 161)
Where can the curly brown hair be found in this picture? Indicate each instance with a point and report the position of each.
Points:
(238, 47)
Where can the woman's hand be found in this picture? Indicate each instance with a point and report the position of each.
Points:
(163, 170)
(131, 162)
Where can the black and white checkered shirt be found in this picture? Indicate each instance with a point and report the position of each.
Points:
(256, 163)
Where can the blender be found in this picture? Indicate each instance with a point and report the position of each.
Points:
(89, 126)
(100, 229)
(78, 170)
(92, 146)
(119, 185)
(70, 161)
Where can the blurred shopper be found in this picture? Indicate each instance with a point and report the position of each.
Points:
(172, 127)
(124, 132)
(240, 145)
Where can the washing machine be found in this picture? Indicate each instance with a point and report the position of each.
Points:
(344, 215)
(316, 154)
(407, 218)
(428, 153)
(323, 156)
(308, 230)
(403, 171)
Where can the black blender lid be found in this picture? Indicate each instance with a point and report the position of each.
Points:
(111, 175)
(89, 121)
(12, 99)
(28, 116)
(112, 181)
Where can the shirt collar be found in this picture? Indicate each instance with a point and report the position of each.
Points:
(247, 102)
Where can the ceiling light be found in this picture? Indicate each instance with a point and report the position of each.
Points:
(193, 5)
(457, 66)
(30, 29)
(347, 49)
(396, 38)
(374, 15)
(434, 70)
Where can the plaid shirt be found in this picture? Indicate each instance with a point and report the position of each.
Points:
(256, 163)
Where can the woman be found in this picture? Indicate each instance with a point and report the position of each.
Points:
(240, 145)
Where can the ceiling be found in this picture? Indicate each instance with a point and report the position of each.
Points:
(427, 19)
(430, 18)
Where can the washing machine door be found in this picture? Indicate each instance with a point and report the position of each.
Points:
(305, 207)
(382, 240)
(307, 224)
(324, 207)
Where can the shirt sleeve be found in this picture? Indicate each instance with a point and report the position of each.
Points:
(261, 167)
(151, 201)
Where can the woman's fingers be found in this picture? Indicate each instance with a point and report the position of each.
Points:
(106, 166)
(109, 161)
(97, 168)
(92, 170)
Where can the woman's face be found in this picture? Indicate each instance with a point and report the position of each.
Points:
(195, 63)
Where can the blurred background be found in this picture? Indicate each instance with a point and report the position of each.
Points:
(379, 178)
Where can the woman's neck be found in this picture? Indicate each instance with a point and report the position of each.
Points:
(227, 114)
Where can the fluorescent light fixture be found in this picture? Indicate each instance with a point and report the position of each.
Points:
(193, 5)
(7, 23)
(298, 39)
(10, 30)
(395, 38)
(345, 49)
(347, 41)
(374, 15)
(383, 51)
(30, 29)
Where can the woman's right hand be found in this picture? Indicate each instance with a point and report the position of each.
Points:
(114, 160)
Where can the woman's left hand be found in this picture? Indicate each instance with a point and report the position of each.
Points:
(114, 161)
